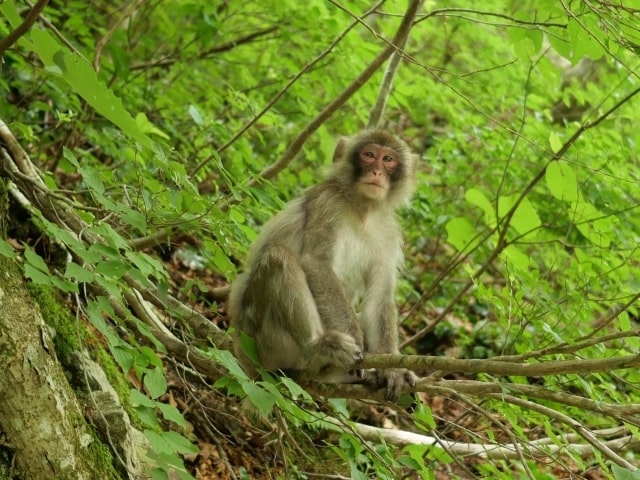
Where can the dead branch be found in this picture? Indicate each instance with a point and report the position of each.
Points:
(538, 448)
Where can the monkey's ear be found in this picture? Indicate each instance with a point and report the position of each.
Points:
(340, 150)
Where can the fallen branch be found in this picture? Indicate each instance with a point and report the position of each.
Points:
(544, 447)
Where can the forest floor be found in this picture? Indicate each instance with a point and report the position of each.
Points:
(233, 446)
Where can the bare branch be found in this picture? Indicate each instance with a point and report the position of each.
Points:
(496, 451)
(449, 365)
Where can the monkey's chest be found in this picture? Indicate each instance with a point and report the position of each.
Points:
(354, 257)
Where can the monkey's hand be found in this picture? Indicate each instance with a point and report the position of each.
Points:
(336, 350)
(394, 380)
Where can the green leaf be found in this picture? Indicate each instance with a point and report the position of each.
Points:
(475, 197)
(147, 416)
(138, 399)
(147, 127)
(165, 443)
(155, 382)
(621, 473)
(112, 268)
(461, 233)
(36, 275)
(159, 474)
(6, 250)
(220, 260)
(78, 272)
(593, 224)
(35, 261)
(179, 443)
(561, 181)
(525, 219)
(516, 257)
(228, 361)
(171, 413)
(148, 356)
(148, 266)
(195, 115)
(263, 400)
(296, 390)
(123, 356)
(84, 80)
(424, 418)
(249, 348)
(93, 179)
(554, 142)
(584, 41)
(134, 218)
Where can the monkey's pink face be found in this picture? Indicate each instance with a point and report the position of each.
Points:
(378, 162)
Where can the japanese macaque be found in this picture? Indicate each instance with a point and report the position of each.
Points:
(318, 290)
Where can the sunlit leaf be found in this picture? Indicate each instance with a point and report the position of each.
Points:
(562, 181)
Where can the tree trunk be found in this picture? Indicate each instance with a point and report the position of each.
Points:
(40, 417)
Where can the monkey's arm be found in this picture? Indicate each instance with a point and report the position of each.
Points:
(323, 217)
(333, 306)
(380, 320)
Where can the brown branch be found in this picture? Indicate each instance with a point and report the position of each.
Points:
(377, 111)
(585, 433)
(24, 27)
(495, 367)
(297, 144)
(478, 388)
(375, 117)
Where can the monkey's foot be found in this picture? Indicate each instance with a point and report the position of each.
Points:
(394, 380)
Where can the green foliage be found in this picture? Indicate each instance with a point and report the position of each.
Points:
(523, 231)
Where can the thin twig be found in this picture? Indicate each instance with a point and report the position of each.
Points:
(224, 47)
(104, 40)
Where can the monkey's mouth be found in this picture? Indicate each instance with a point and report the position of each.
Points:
(374, 184)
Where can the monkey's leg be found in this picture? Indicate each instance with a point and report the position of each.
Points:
(288, 328)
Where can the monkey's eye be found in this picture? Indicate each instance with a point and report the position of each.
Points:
(388, 158)
(369, 154)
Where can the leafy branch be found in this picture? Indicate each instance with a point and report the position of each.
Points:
(502, 226)
(285, 89)
(24, 27)
(296, 145)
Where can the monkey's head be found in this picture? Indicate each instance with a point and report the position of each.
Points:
(378, 167)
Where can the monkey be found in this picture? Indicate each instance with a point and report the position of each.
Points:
(318, 287)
